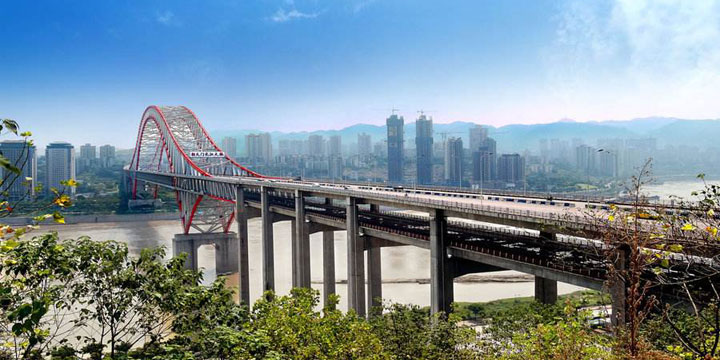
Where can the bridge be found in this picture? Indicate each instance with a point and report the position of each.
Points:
(465, 232)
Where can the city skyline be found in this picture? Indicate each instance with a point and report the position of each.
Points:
(330, 65)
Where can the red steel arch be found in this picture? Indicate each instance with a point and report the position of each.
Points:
(172, 140)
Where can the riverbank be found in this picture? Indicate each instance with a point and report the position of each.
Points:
(100, 218)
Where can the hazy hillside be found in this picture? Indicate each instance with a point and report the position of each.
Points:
(516, 138)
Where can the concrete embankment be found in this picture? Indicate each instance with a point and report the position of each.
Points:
(101, 218)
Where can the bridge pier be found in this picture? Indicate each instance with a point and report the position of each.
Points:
(226, 250)
(618, 287)
(328, 264)
(374, 269)
(268, 265)
(441, 271)
(546, 289)
(355, 260)
(244, 267)
(301, 262)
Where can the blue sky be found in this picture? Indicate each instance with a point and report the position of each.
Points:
(83, 71)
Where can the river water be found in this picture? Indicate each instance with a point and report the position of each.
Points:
(405, 269)
(682, 188)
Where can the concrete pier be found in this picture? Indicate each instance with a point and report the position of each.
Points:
(546, 289)
(301, 239)
(268, 265)
(355, 260)
(226, 250)
(618, 287)
(374, 270)
(244, 267)
(441, 272)
(328, 264)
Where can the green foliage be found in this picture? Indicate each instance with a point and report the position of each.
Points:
(568, 337)
(291, 327)
(409, 332)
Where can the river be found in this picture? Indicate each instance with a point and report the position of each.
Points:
(677, 188)
(405, 269)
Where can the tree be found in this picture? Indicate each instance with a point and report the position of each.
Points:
(125, 299)
(409, 332)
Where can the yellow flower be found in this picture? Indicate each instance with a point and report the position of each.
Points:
(687, 227)
(712, 230)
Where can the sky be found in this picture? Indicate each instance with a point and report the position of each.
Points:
(84, 70)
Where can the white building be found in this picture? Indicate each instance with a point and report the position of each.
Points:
(60, 165)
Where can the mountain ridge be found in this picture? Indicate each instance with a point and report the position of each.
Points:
(701, 133)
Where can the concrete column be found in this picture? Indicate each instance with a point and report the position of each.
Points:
(184, 243)
(618, 288)
(302, 246)
(294, 256)
(226, 253)
(328, 264)
(244, 268)
(355, 261)
(374, 276)
(267, 241)
(441, 272)
(546, 289)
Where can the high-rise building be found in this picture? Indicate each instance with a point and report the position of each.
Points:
(258, 148)
(335, 167)
(364, 144)
(229, 146)
(484, 159)
(454, 161)
(23, 156)
(608, 163)
(483, 170)
(586, 159)
(316, 145)
(60, 165)
(395, 145)
(291, 147)
(478, 134)
(107, 156)
(335, 146)
(511, 169)
(87, 159)
(424, 149)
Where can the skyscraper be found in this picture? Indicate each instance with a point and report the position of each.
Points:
(23, 156)
(454, 161)
(60, 165)
(424, 149)
(608, 163)
(395, 144)
(107, 156)
(478, 134)
(229, 146)
(335, 146)
(364, 144)
(87, 158)
(316, 145)
(258, 148)
(335, 167)
(511, 169)
(484, 159)
(586, 159)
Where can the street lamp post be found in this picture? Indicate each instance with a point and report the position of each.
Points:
(482, 175)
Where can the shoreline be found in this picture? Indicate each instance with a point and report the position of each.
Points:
(485, 278)
(96, 219)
